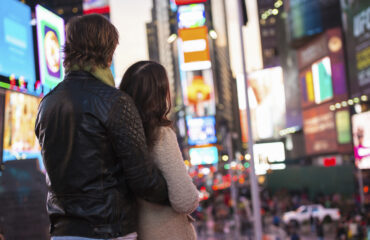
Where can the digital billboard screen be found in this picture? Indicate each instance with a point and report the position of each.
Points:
(184, 2)
(51, 39)
(269, 156)
(201, 130)
(203, 155)
(267, 102)
(17, 64)
(361, 139)
(19, 140)
(198, 93)
(317, 82)
(356, 14)
(194, 49)
(191, 16)
(322, 80)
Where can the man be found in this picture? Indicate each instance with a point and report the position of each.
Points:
(93, 143)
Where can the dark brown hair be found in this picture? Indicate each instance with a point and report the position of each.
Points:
(90, 40)
(147, 83)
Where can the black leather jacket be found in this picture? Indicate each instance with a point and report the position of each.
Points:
(94, 150)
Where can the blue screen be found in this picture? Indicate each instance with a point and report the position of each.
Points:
(201, 130)
(204, 155)
(16, 47)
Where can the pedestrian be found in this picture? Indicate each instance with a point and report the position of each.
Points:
(147, 83)
(93, 143)
(319, 229)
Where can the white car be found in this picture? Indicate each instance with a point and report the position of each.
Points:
(304, 213)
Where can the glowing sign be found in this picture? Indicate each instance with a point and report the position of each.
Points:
(194, 50)
(201, 131)
(184, 2)
(269, 156)
(17, 64)
(51, 39)
(361, 139)
(191, 16)
(205, 155)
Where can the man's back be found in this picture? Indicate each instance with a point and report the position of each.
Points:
(94, 151)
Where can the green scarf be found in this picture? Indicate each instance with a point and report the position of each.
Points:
(103, 74)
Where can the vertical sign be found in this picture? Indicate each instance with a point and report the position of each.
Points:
(51, 39)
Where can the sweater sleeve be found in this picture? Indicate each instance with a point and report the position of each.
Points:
(183, 195)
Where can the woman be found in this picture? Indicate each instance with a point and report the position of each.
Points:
(147, 83)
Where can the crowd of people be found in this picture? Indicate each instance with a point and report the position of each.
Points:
(215, 216)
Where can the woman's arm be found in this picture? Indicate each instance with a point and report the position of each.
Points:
(183, 195)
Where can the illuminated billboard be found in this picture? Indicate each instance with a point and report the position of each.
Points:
(317, 83)
(17, 64)
(184, 2)
(20, 141)
(203, 155)
(322, 80)
(356, 14)
(191, 16)
(319, 128)
(95, 6)
(51, 39)
(361, 139)
(201, 130)
(198, 93)
(267, 102)
(269, 156)
(194, 49)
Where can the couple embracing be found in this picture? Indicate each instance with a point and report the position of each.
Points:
(114, 167)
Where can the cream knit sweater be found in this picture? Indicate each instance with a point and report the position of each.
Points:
(158, 222)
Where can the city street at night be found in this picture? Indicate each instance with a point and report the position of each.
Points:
(184, 120)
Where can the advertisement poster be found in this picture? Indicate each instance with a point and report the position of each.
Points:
(194, 49)
(198, 93)
(267, 102)
(95, 6)
(184, 2)
(361, 139)
(319, 130)
(356, 15)
(343, 124)
(191, 16)
(203, 155)
(269, 156)
(322, 80)
(201, 130)
(20, 141)
(322, 69)
(17, 64)
(51, 39)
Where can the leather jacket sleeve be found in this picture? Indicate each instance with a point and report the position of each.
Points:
(128, 138)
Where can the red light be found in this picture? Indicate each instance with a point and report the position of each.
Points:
(184, 2)
(203, 189)
(366, 189)
(330, 162)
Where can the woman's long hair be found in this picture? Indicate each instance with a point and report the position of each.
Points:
(147, 83)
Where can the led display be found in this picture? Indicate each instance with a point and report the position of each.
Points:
(201, 130)
(51, 39)
(269, 156)
(204, 155)
(191, 16)
(17, 64)
(20, 141)
(361, 139)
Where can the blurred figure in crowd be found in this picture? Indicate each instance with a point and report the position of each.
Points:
(93, 143)
(147, 83)
(319, 229)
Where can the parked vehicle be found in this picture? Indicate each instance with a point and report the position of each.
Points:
(311, 212)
